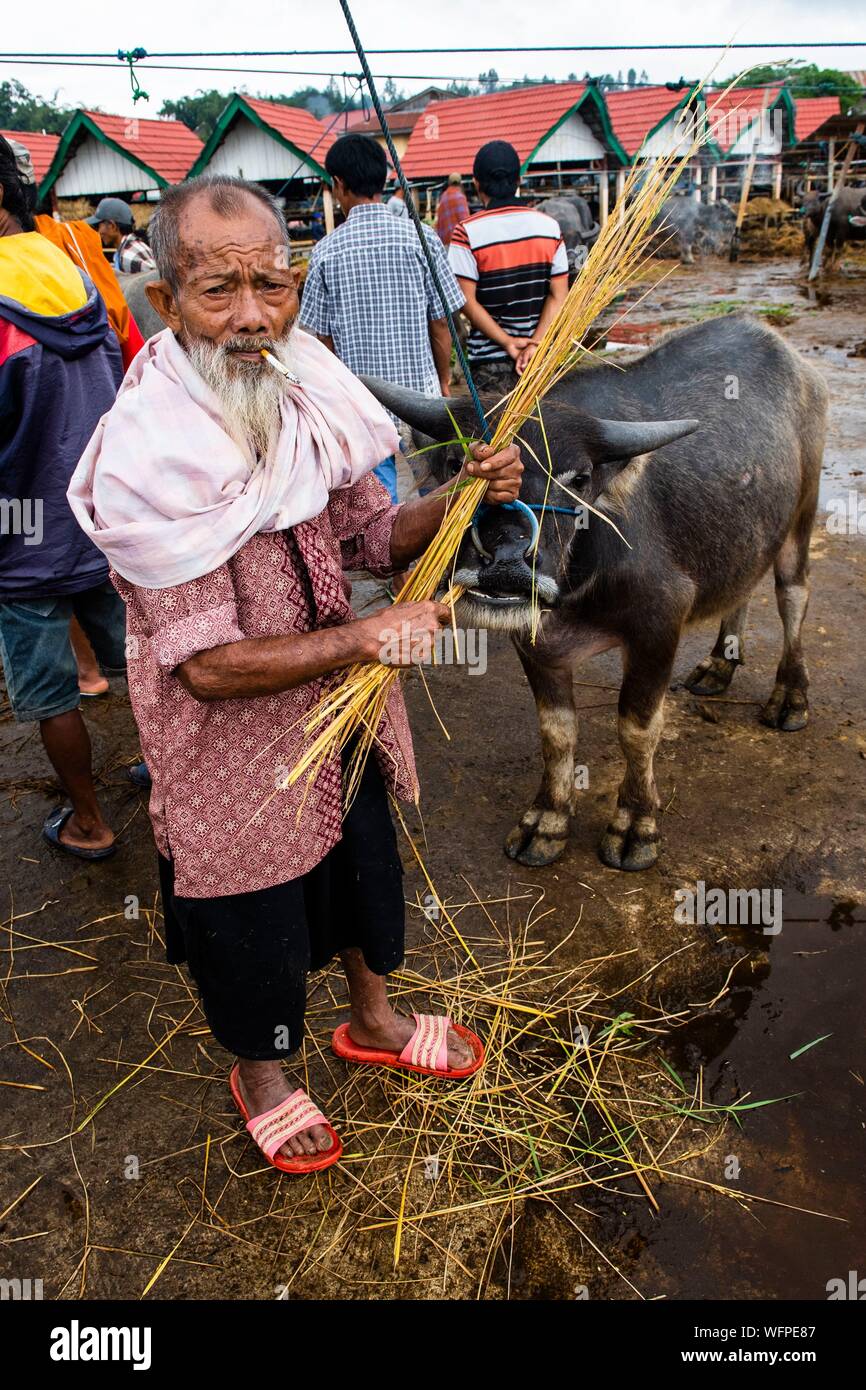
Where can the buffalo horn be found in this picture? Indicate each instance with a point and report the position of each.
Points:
(623, 439)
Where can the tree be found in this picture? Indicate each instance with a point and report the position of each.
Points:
(199, 112)
(808, 80)
(489, 80)
(20, 110)
(632, 77)
(391, 92)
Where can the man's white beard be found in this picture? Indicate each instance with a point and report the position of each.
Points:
(249, 393)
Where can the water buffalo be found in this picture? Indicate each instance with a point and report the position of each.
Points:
(576, 222)
(706, 453)
(133, 287)
(686, 225)
(847, 222)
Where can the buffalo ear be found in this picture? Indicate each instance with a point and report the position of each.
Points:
(613, 440)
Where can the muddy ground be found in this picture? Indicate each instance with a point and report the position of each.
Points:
(87, 996)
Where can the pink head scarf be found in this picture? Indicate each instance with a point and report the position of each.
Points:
(168, 495)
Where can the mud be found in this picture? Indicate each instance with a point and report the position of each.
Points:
(744, 807)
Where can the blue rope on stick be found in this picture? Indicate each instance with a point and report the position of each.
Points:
(419, 226)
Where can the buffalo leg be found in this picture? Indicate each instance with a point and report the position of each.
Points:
(541, 834)
(631, 840)
(714, 674)
(788, 706)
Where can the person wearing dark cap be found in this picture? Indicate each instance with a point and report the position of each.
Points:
(114, 222)
(510, 263)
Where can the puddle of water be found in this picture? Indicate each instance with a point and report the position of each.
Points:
(809, 1152)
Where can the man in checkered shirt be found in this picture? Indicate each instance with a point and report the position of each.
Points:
(369, 295)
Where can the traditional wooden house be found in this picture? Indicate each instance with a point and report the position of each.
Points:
(42, 147)
(561, 131)
(126, 156)
(282, 147)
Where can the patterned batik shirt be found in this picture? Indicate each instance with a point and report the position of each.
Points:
(369, 288)
(219, 805)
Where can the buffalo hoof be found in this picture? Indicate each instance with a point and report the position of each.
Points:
(711, 676)
(627, 851)
(786, 710)
(534, 843)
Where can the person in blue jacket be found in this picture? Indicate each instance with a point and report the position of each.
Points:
(60, 368)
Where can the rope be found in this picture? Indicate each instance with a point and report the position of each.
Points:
(529, 48)
(419, 226)
(133, 56)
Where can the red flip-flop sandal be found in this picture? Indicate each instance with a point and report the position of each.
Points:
(426, 1052)
(271, 1130)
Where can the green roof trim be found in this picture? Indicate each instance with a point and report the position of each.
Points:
(594, 95)
(79, 122)
(237, 106)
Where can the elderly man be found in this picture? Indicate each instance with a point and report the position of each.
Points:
(229, 498)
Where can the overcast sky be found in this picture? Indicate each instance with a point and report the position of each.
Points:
(176, 25)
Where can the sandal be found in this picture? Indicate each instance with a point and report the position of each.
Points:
(271, 1129)
(51, 832)
(426, 1052)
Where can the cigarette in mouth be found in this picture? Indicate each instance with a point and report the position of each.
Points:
(278, 366)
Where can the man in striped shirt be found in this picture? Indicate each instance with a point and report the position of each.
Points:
(511, 265)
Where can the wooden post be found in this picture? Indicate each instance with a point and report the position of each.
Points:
(699, 178)
(748, 175)
(831, 155)
(777, 180)
(713, 183)
(815, 268)
(602, 198)
(620, 183)
(328, 206)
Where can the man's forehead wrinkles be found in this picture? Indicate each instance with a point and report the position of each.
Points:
(266, 253)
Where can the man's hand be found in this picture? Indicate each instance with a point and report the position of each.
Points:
(445, 386)
(404, 634)
(515, 346)
(526, 356)
(503, 471)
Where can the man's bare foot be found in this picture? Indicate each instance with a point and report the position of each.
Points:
(391, 1031)
(92, 684)
(91, 834)
(262, 1086)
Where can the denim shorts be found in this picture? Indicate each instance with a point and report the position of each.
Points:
(38, 660)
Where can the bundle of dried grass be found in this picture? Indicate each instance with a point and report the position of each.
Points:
(355, 706)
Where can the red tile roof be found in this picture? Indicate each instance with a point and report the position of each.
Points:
(811, 112)
(297, 125)
(168, 147)
(638, 110)
(399, 122)
(41, 147)
(730, 113)
(449, 133)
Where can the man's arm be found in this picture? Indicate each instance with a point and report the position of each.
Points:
(552, 305)
(440, 342)
(270, 665)
(486, 324)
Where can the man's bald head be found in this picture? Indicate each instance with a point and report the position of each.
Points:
(172, 230)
